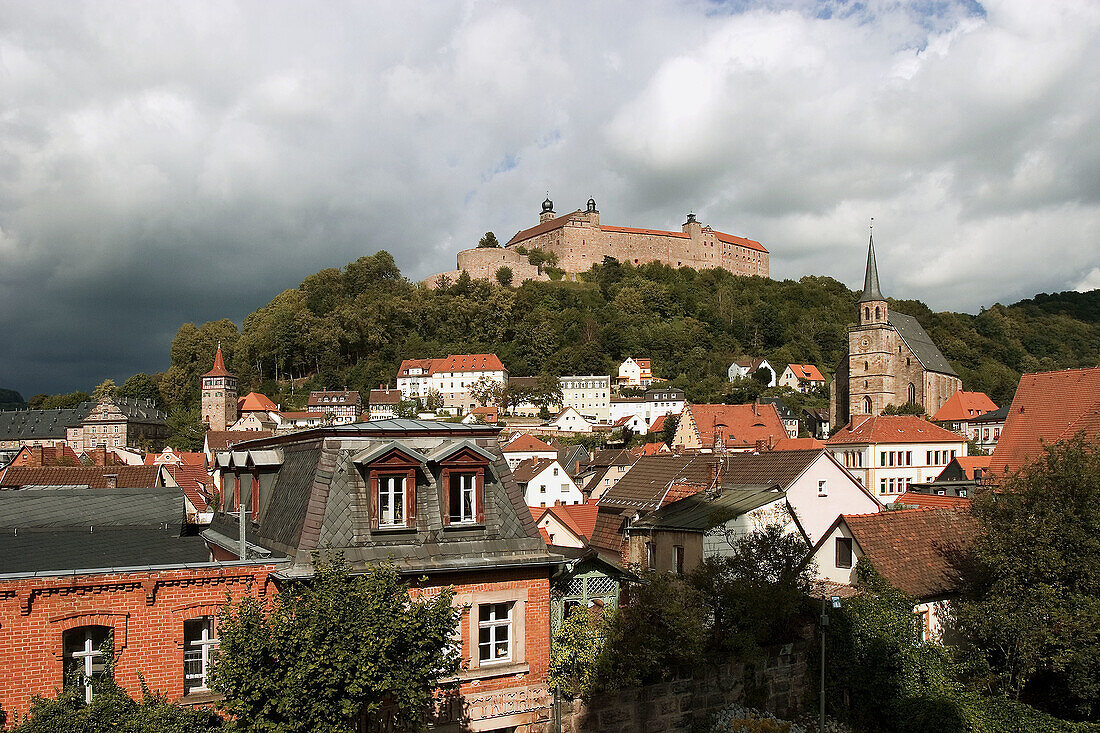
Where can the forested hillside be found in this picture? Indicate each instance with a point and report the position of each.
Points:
(353, 326)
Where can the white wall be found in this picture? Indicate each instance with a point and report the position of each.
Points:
(552, 486)
(559, 534)
(843, 496)
(873, 471)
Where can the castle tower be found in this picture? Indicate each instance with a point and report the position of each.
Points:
(219, 395)
(871, 347)
(547, 210)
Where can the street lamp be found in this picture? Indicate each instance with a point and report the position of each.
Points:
(835, 603)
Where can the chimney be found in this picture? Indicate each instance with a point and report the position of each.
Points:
(760, 446)
(112, 480)
(36, 457)
(99, 456)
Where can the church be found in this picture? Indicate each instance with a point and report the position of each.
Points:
(891, 360)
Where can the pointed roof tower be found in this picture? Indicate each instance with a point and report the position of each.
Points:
(870, 280)
(219, 369)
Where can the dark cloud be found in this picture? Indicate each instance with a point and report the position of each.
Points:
(171, 162)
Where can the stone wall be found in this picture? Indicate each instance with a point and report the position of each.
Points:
(781, 685)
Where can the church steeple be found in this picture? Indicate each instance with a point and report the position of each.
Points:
(871, 306)
(870, 279)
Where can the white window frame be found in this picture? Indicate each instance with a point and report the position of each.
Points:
(200, 649)
(467, 488)
(496, 619)
(822, 487)
(387, 491)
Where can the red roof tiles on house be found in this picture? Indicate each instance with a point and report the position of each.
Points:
(96, 477)
(527, 443)
(256, 402)
(579, 518)
(932, 501)
(196, 483)
(798, 444)
(915, 549)
(635, 230)
(425, 365)
(892, 429)
(1048, 407)
(658, 424)
(218, 369)
(219, 440)
(809, 372)
(964, 406)
(737, 426)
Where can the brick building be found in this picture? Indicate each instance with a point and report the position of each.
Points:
(94, 568)
(579, 240)
(437, 500)
(219, 395)
(891, 360)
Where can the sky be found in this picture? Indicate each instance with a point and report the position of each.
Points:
(165, 162)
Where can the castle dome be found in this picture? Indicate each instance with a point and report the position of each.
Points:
(591, 205)
(547, 205)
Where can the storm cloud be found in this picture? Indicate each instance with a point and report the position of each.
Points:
(170, 162)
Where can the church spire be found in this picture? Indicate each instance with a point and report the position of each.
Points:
(870, 280)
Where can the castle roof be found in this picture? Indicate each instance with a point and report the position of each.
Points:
(218, 369)
(740, 241)
(547, 226)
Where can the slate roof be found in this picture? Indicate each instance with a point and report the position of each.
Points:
(73, 529)
(219, 440)
(892, 429)
(997, 415)
(41, 424)
(91, 476)
(964, 406)
(699, 513)
(1048, 407)
(571, 456)
(920, 343)
(915, 549)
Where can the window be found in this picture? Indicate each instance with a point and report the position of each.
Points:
(867, 407)
(85, 649)
(463, 496)
(651, 556)
(928, 457)
(494, 627)
(555, 472)
(882, 486)
(199, 640)
(823, 487)
(882, 458)
(892, 454)
(912, 392)
(924, 627)
(844, 552)
(679, 559)
(542, 488)
(391, 501)
(908, 458)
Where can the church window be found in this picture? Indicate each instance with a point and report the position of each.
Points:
(866, 366)
(878, 313)
(912, 392)
(866, 314)
(867, 405)
(908, 361)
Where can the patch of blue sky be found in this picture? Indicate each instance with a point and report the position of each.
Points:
(505, 164)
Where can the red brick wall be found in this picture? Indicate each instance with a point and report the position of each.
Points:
(145, 609)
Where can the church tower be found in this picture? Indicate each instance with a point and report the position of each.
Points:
(219, 395)
(870, 347)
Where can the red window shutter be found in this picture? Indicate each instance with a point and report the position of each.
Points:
(236, 491)
(445, 479)
(255, 497)
(479, 495)
(373, 489)
(410, 498)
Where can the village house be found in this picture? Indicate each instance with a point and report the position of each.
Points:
(747, 366)
(38, 455)
(889, 453)
(589, 395)
(985, 429)
(708, 428)
(634, 373)
(438, 501)
(817, 422)
(451, 377)
(916, 550)
(662, 400)
(344, 406)
(961, 409)
(801, 377)
(959, 478)
(84, 568)
(626, 407)
(1048, 407)
(382, 403)
(524, 446)
(567, 525)
(632, 423)
(255, 411)
(891, 360)
(791, 423)
(570, 421)
(545, 482)
(603, 470)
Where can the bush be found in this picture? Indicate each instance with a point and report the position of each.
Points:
(113, 710)
(504, 276)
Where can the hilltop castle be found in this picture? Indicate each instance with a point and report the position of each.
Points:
(580, 241)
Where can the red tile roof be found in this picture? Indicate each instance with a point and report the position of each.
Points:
(579, 518)
(737, 426)
(809, 372)
(219, 440)
(964, 406)
(649, 449)
(51, 455)
(658, 424)
(541, 228)
(468, 363)
(1048, 407)
(425, 365)
(915, 549)
(384, 397)
(798, 444)
(893, 429)
(545, 535)
(127, 477)
(255, 402)
(196, 483)
(932, 501)
(968, 463)
(187, 458)
(634, 230)
(527, 443)
(643, 364)
(740, 241)
(219, 369)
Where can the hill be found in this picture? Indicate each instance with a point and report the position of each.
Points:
(11, 400)
(353, 326)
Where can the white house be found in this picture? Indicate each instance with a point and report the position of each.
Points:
(747, 367)
(382, 403)
(567, 525)
(635, 373)
(569, 420)
(801, 377)
(626, 407)
(452, 377)
(634, 423)
(888, 453)
(921, 566)
(545, 483)
(523, 447)
(660, 401)
(589, 395)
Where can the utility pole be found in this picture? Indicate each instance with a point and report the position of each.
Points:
(824, 627)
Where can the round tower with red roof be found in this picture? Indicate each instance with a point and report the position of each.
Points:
(219, 395)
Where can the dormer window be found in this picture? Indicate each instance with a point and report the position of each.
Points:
(391, 501)
(463, 498)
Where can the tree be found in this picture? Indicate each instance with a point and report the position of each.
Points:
(489, 240)
(433, 400)
(487, 391)
(908, 408)
(334, 648)
(546, 392)
(105, 389)
(504, 276)
(668, 431)
(140, 386)
(763, 375)
(1032, 607)
(36, 401)
(186, 430)
(407, 409)
(72, 399)
(112, 710)
(574, 653)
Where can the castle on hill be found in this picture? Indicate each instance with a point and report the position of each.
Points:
(580, 241)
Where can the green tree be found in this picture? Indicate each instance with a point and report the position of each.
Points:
(328, 650)
(489, 240)
(908, 408)
(112, 710)
(185, 429)
(504, 276)
(575, 653)
(105, 389)
(668, 431)
(487, 391)
(407, 409)
(140, 386)
(1032, 609)
(36, 401)
(72, 399)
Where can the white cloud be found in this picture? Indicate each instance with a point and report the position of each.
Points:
(162, 162)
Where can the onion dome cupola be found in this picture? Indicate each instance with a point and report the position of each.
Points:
(592, 206)
(547, 206)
